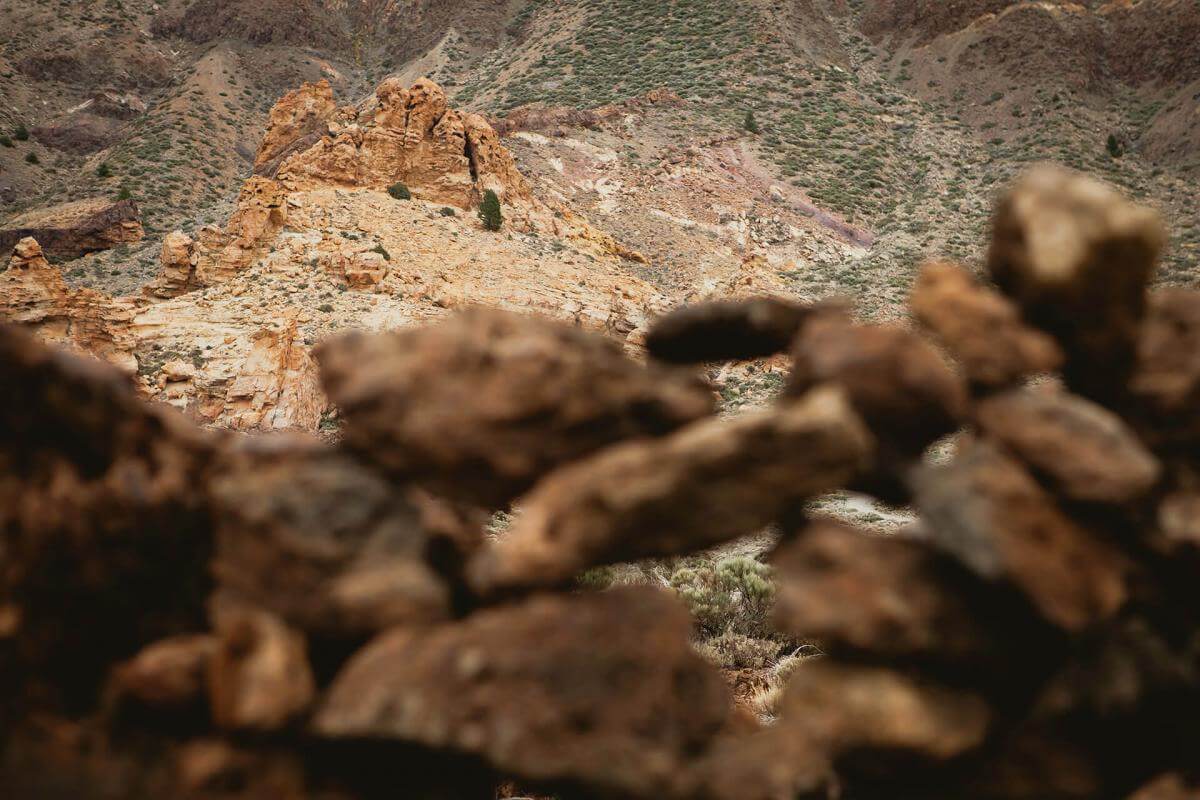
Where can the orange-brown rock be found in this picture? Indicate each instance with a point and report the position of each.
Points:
(1077, 257)
(168, 675)
(721, 330)
(874, 712)
(259, 678)
(102, 509)
(890, 597)
(1166, 381)
(717, 479)
(892, 377)
(75, 229)
(407, 135)
(981, 328)
(321, 541)
(34, 294)
(296, 122)
(988, 512)
(177, 266)
(1082, 450)
(529, 688)
(438, 404)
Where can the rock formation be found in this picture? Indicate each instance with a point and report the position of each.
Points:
(75, 229)
(33, 293)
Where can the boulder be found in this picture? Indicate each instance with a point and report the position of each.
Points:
(481, 406)
(528, 688)
(714, 480)
(1077, 258)
(1081, 449)
(981, 328)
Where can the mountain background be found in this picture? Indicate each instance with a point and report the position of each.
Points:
(889, 124)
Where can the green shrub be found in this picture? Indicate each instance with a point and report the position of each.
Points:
(735, 594)
(1114, 147)
(20, 133)
(6, 140)
(732, 650)
(325, 307)
(399, 191)
(379, 248)
(103, 170)
(124, 193)
(32, 158)
(489, 211)
(447, 211)
(750, 123)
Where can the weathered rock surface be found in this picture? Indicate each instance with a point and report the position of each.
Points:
(528, 688)
(894, 598)
(722, 330)
(1084, 451)
(323, 543)
(988, 512)
(981, 328)
(297, 121)
(75, 229)
(259, 678)
(716, 479)
(402, 134)
(881, 714)
(34, 294)
(168, 675)
(177, 266)
(482, 406)
(895, 380)
(1166, 381)
(97, 486)
(1077, 258)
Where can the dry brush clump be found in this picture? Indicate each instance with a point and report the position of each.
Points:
(193, 614)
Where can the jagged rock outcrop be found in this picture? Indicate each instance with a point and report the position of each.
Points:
(297, 121)
(75, 229)
(402, 134)
(34, 293)
(177, 266)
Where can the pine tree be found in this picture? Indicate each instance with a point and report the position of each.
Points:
(1114, 147)
(750, 123)
(489, 211)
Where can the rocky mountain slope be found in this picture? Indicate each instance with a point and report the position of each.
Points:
(808, 148)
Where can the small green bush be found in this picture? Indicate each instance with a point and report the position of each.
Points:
(103, 171)
(750, 123)
(379, 248)
(447, 211)
(325, 307)
(489, 211)
(399, 191)
(1114, 147)
(32, 158)
(21, 133)
(6, 140)
(734, 594)
(124, 194)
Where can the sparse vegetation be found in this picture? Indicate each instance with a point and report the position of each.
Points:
(32, 158)
(750, 123)
(21, 133)
(399, 191)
